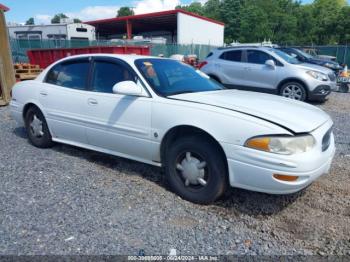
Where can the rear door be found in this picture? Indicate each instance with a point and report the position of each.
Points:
(119, 123)
(230, 68)
(63, 95)
(258, 75)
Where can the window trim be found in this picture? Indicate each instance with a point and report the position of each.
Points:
(71, 61)
(223, 55)
(245, 57)
(115, 61)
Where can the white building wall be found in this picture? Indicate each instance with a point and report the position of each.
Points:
(193, 30)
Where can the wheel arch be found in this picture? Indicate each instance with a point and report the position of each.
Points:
(29, 105)
(293, 79)
(187, 130)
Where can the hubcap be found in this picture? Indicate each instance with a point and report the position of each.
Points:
(192, 170)
(293, 92)
(36, 127)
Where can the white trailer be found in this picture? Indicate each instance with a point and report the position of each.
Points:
(71, 31)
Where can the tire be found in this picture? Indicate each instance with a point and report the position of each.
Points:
(293, 90)
(214, 172)
(344, 88)
(37, 130)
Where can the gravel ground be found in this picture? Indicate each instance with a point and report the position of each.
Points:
(67, 200)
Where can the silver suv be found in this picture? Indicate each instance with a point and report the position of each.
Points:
(266, 69)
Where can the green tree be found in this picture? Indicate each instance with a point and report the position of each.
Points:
(231, 11)
(30, 21)
(76, 20)
(194, 7)
(56, 19)
(125, 11)
(326, 14)
(343, 26)
(212, 9)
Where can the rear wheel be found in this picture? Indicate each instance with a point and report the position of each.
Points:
(38, 132)
(195, 170)
(293, 90)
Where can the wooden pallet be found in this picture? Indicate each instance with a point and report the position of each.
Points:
(26, 71)
(25, 76)
(25, 66)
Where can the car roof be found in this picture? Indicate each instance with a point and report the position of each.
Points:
(130, 58)
(244, 47)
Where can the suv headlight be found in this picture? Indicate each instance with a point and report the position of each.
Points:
(284, 145)
(317, 75)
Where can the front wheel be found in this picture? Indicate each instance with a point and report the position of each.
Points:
(195, 170)
(293, 90)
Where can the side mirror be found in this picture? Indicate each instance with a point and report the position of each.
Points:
(128, 88)
(270, 63)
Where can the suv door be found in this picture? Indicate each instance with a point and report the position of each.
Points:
(63, 95)
(119, 123)
(257, 74)
(229, 68)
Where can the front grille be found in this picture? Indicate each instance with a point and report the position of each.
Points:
(326, 140)
(332, 76)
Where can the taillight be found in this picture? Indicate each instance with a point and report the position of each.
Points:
(201, 64)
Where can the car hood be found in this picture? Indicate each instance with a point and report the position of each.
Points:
(296, 116)
(307, 66)
(323, 62)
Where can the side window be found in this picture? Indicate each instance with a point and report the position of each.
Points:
(107, 74)
(257, 57)
(72, 74)
(234, 56)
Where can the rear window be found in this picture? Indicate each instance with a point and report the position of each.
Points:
(72, 74)
(234, 56)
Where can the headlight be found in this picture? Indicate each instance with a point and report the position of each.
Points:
(284, 145)
(317, 75)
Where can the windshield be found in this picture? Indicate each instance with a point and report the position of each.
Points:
(170, 77)
(289, 59)
(305, 54)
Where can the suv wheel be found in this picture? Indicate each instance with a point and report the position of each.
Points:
(293, 90)
(38, 132)
(195, 170)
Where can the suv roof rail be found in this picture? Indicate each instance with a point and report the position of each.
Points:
(233, 47)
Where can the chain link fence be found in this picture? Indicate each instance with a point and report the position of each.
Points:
(19, 47)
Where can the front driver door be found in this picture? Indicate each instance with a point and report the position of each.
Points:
(257, 74)
(119, 123)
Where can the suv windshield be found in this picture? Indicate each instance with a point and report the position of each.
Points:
(289, 59)
(170, 77)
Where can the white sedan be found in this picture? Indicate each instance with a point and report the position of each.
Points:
(164, 113)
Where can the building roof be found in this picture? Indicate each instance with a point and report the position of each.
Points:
(4, 8)
(158, 21)
(162, 14)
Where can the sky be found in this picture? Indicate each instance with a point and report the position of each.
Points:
(85, 10)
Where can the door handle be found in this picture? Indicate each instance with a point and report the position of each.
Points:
(92, 101)
(43, 93)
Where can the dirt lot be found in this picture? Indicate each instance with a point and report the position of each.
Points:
(67, 200)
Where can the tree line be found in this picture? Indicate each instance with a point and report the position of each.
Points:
(286, 22)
